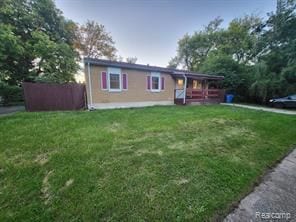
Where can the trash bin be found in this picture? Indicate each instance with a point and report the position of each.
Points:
(229, 98)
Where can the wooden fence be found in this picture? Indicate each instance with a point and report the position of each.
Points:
(49, 97)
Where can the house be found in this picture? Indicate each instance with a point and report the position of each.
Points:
(111, 84)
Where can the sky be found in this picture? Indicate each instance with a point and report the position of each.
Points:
(150, 29)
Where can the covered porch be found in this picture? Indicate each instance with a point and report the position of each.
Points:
(198, 89)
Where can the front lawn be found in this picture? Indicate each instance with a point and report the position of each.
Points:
(149, 164)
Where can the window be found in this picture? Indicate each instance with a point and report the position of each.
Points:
(180, 83)
(196, 84)
(114, 79)
(155, 82)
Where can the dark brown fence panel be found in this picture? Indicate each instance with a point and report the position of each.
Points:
(48, 97)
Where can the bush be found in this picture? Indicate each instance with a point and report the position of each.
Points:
(10, 94)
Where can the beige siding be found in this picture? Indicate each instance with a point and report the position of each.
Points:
(137, 87)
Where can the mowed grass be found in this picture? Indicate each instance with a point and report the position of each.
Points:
(149, 164)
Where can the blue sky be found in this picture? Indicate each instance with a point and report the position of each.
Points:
(150, 29)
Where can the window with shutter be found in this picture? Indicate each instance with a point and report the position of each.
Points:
(155, 82)
(114, 79)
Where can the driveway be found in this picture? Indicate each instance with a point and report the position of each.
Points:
(274, 199)
(6, 110)
(282, 111)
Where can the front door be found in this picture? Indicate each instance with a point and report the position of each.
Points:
(179, 92)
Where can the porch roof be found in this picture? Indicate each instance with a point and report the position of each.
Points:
(198, 76)
(173, 72)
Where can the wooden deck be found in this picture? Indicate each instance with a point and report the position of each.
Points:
(205, 96)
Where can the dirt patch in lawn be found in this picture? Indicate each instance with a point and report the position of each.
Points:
(181, 181)
(43, 158)
(114, 127)
(45, 190)
(147, 151)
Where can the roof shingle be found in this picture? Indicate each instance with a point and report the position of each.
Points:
(174, 72)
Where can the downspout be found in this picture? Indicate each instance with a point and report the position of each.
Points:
(90, 89)
(185, 86)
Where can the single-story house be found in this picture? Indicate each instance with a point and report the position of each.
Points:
(111, 84)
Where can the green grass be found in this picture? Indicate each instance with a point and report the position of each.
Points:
(150, 164)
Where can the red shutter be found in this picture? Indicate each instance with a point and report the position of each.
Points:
(162, 83)
(124, 81)
(148, 82)
(104, 80)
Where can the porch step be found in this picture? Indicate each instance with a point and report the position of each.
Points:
(194, 103)
(203, 102)
(197, 101)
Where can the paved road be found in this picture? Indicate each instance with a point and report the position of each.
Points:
(6, 110)
(276, 194)
(283, 111)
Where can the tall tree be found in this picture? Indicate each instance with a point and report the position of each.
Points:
(40, 39)
(227, 52)
(94, 41)
(278, 52)
(193, 50)
(132, 60)
(173, 63)
(265, 83)
(240, 39)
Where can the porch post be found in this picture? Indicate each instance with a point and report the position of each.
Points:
(205, 89)
(185, 89)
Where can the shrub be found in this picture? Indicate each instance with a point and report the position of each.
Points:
(10, 94)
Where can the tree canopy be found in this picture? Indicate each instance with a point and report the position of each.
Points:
(132, 60)
(94, 41)
(36, 42)
(256, 56)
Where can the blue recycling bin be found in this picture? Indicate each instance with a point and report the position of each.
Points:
(229, 98)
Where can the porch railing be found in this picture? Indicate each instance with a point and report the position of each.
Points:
(179, 93)
(214, 93)
(195, 93)
(203, 94)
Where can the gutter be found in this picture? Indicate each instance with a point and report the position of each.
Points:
(185, 85)
(90, 88)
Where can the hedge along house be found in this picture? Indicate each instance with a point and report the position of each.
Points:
(113, 84)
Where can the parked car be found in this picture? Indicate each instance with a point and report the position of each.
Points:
(285, 102)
